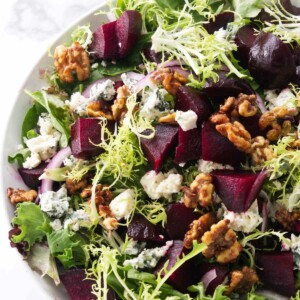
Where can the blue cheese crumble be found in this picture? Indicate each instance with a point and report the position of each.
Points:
(205, 166)
(78, 218)
(134, 247)
(148, 258)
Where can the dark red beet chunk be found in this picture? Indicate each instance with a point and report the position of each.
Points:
(275, 270)
(179, 217)
(140, 229)
(296, 227)
(221, 21)
(159, 147)
(238, 190)
(218, 148)
(105, 42)
(271, 62)
(189, 145)
(153, 56)
(85, 132)
(128, 30)
(244, 40)
(31, 176)
(191, 99)
(251, 125)
(181, 278)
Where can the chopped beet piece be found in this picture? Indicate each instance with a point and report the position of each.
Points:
(182, 277)
(238, 189)
(84, 133)
(220, 21)
(22, 246)
(179, 217)
(160, 146)
(31, 176)
(140, 229)
(191, 99)
(218, 148)
(275, 270)
(105, 42)
(128, 30)
(251, 125)
(189, 145)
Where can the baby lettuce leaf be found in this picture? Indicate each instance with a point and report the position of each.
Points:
(248, 9)
(19, 157)
(33, 223)
(67, 247)
(172, 4)
(58, 114)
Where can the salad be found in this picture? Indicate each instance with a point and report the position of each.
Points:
(162, 159)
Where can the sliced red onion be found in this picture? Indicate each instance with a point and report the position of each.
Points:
(37, 199)
(146, 81)
(86, 92)
(208, 277)
(56, 162)
(264, 225)
(111, 16)
(171, 63)
(182, 72)
(135, 76)
(260, 103)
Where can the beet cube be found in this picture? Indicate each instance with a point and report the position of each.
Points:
(220, 21)
(84, 133)
(140, 229)
(157, 148)
(182, 277)
(218, 148)
(238, 189)
(191, 99)
(179, 217)
(31, 176)
(128, 30)
(251, 124)
(105, 42)
(189, 145)
(275, 270)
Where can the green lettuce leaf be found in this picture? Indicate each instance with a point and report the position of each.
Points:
(33, 223)
(172, 4)
(19, 157)
(67, 247)
(58, 114)
(249, 8)
(200, 290)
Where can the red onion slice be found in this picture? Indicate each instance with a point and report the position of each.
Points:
(171, 63)
(146, 81)
(260, 103)
(264, 225)
(208, 277)
(56, 162)
(135, 76)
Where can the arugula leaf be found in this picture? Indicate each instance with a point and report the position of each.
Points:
(58, 114)
(67, 247)
(172, 4)
(33, 223)
(19, 157)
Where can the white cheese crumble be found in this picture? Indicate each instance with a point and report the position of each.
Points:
(72, 161)
(56, 224)
(187, 120)
(32, 161)
(134, 247)
(46, 126)
(123, 205)
(221, 34)
(77, 219)
(205, 166)
(161, 185)
(285, 98)
(246, 221)
(293, 244)
(55, 204)
(149, 258)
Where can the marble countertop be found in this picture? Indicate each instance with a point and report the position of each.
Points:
(27, 28)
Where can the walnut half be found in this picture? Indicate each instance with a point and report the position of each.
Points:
(18, 195)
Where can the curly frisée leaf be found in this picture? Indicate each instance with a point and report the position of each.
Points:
(83, 35)
(33, 223)
(200, 290)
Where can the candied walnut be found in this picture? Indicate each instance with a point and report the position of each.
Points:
(219, 118)
(169, 119)
(237, 134)
(17, 195)
(260, 151)
(119, 108)
(221, 242)
(110, 223)
(73, 187)
(198, 228)
(287, 219)
(200, 191)
(105, 211)
(170, 79)
(70, 60)
(242, 281)
(99, 109)
(103, 195)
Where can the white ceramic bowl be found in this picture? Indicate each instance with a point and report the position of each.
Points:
(33, 286)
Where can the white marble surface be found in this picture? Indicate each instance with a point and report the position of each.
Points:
(27, 28)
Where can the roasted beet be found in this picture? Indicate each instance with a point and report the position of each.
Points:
(251, 125)
(182, 277)
(179, 217)
(159, 147)
(153, 56)
(31, 176)
(238, 189)
(189, 145)
(84, 133)
(128, 30)
(244, 40)
(220, 21)
(140, 229)
(217, 148)
(105, 42)
(271, 62)
(226, 87)
(289, 6)
(275, 270)
(191, 99)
